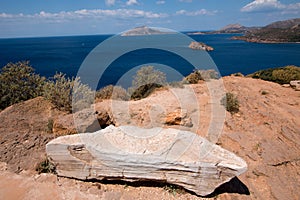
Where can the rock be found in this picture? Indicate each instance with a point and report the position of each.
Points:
(64, 125)
(178, 117)
(200, 46)
(130, 153)
(286, 85)
(295, 85)
(86, 120)
(3, 166)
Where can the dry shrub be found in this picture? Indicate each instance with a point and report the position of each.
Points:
(112, 92)
(68, 94)
(231, 103)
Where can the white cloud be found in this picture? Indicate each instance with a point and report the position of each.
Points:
(160, 2)
(196, 13)
(271, 5)
(84, 14)
(262, 5)
(110, 2)
(131, 2)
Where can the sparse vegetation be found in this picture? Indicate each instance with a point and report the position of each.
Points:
(112, 92)
(264, 92)
(231, 103)
(193, 78)
(281, 75)
(144, 91)
(50, 126)
(63, 91)
(198, 75)
(174, 189)
(45, 167)
(19, 82)
(146, 80)
(238, 74)
(148, 75)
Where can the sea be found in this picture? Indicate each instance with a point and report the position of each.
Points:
(69, 54)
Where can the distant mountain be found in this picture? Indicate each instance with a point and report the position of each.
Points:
(284, 24)
(277, 32)
(143, 30)
(233, 28)
(230, 28)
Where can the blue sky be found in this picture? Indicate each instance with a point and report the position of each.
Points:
(28, 18)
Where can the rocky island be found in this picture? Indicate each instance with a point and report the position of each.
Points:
(143, 30)
(200, 46)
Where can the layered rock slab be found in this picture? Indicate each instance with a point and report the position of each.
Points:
(130, 153)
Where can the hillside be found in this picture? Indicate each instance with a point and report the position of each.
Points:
(230, 28)
(277, 32)
(143, 30)
(235, 28)
(265, 133)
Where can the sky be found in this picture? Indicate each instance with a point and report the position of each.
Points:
(39, 18)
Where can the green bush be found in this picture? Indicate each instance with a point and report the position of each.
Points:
(18, 82)
(145, 81)
(68, 93)
(281, 75)
(45, 167)
(231, 103)
(112, 92)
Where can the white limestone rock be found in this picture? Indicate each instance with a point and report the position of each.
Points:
(135, 154)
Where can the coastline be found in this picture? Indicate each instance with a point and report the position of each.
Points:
(254, 40)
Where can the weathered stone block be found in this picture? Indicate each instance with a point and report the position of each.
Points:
(135, 154)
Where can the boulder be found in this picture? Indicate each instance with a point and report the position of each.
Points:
(179, 117)
(295, 85)
(86, 120)
(130, 153)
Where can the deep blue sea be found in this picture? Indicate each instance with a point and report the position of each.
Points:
(49, 55)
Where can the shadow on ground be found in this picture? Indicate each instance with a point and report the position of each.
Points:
(233, 186)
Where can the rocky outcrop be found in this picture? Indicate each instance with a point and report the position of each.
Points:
(200, 46)
(130, 153)
(86, 120)
(179, 117)
(295, 85)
